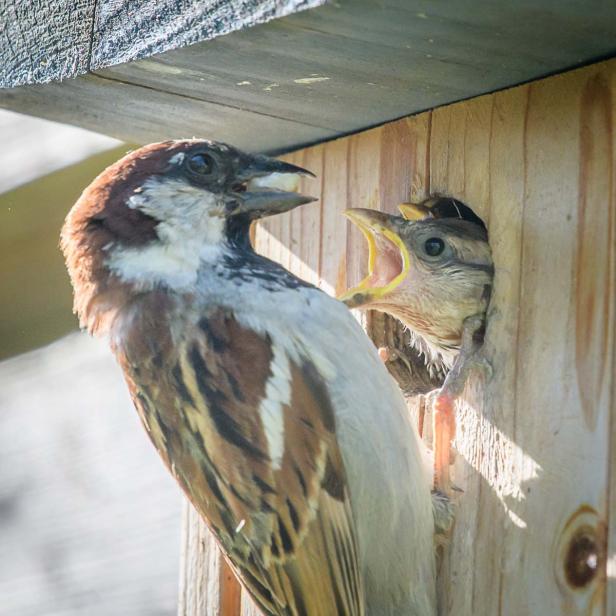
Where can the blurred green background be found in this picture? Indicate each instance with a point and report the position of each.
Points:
(89, 518)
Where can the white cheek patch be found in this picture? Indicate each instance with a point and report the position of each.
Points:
(156, 264)
(191, 232)
(277, 394)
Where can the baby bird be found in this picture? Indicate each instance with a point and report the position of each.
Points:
(433, 271)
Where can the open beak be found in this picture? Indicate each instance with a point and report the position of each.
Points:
(388, 257)
(265, 186)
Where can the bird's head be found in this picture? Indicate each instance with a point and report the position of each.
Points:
(150, 220)
(430, 273)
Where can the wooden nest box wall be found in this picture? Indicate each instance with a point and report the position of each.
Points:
(534, 459)
(534, 450)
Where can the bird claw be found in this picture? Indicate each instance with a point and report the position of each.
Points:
(470, 358)
(482, 364)
(443, 511)
(387, 353)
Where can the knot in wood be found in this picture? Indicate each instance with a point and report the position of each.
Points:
(582, 558)
(581, 555)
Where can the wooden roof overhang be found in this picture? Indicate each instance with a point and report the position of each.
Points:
(309, 76)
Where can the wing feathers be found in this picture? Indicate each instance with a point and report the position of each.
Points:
(248, 429)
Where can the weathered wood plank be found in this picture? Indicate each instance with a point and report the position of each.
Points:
(336, 69)
(491, 37)
(127, 30)
(138, 115)
(44, 39)
(377, 56)
(304, 75)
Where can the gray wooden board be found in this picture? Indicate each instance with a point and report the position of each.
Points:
(44, 39)
(325, 72)
(89, 516)
(139, 115)
(130, 29)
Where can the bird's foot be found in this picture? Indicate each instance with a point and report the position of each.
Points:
(385, 354)
(389, 354)
(444, 430)
(469, 358)
(480, 363)
(444, 513)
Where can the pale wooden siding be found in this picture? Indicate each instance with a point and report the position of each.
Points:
(536, 444)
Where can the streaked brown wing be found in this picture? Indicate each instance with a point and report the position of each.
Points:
(249, 433)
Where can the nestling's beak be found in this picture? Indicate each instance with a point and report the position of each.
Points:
(439, 207)
(265, 186)
(414, 211)
(388, 257)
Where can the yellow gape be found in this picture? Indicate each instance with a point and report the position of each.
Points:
(363, 292)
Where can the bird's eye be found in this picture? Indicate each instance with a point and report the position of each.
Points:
(201, 164)
(434, 246)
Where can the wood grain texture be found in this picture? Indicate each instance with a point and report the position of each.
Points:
(323, 73)
(127, 30)
(41, 40)
(207, 583)
(535, 463)
(45, 40)
(533, 466)
(139, 116)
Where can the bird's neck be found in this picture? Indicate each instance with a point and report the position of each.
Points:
(242, 266)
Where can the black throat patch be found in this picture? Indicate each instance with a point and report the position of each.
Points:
(244, 264)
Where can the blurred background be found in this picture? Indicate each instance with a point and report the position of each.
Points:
(89, 518)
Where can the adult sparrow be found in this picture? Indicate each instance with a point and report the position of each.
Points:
(262, 394)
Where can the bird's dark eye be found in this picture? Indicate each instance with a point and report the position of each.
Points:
(201, 164)
(434, 246)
